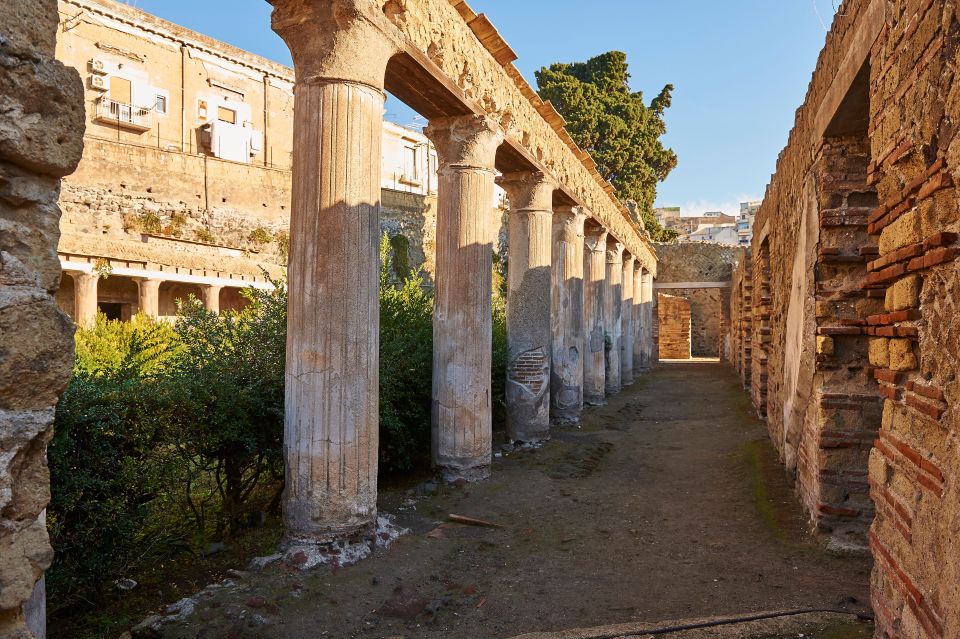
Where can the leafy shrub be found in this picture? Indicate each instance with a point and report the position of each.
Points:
(109, 465)
(406, 364)
(228, 422)
(203, 235)
(169, 435)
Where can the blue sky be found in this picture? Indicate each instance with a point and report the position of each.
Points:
(740, 68)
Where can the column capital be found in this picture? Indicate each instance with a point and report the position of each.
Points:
(528, 190)
(569, 219)
(466, 141)
(336, 40)
(614, 251)
(595, 239)
(629, 260)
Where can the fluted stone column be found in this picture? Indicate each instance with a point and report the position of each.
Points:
(462, 319)
(529, 334)
(85, 298)
(211, 297)
(612, 313)
(594, 286)
(148, 290)
(648, 346)
(627, 338)
(566, 303)
(340, 52)
(638, 317)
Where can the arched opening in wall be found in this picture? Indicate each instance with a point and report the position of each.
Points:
(232, 299)
(846, 408)
(761, 328)
(172, 293)
(117, 297)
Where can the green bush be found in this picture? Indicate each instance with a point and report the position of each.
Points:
(406, 364)
(109, 462)
(169, 435)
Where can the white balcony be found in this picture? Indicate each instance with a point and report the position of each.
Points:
(124, 116)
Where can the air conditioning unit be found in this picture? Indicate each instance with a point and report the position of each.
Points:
(98, 65)
(99, 82)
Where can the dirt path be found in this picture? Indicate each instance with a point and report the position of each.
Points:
(668, 503)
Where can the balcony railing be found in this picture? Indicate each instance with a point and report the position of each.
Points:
(125, 116)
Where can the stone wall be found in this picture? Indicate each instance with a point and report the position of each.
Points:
(41, 128)
(854, 333)
(153, 207)
(673, 326)
(741, 320)
(702, 272)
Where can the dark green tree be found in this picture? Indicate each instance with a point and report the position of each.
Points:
(614, 125)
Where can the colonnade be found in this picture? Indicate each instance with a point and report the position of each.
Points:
(86, 287)
(575, 331)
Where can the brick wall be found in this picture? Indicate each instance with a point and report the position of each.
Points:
(873, 158)
(673, 326)
(692, 262)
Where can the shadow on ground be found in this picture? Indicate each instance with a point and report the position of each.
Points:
(668, 503)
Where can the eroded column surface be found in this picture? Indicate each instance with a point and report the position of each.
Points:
(626, 340)
(211, 297)
(529, 334)
(649, 358)
(638, 317)
(613, 314)
(85, 298)
(594, 286)
(462, 319)
(331, 406)
(566, 303)
(149, 296)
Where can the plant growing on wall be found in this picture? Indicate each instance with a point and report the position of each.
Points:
(283, 244)
(260, 236)
(150, 223)
(203, 235)
(614, 125)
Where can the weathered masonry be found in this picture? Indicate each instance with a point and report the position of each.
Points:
(450, 65)
(701, 273)
(41, 126)
(844, 320)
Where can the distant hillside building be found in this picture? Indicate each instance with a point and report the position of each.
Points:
(748, 211)
(725, 233)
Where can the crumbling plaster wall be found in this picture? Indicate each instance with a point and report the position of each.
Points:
(41, 129)
(158, 208)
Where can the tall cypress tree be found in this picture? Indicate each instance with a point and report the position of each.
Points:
(615, 126)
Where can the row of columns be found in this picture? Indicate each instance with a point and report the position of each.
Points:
(85, 287)
(561, 302)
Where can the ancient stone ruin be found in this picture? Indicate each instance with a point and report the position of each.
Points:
(840, 319)
(843, 323)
